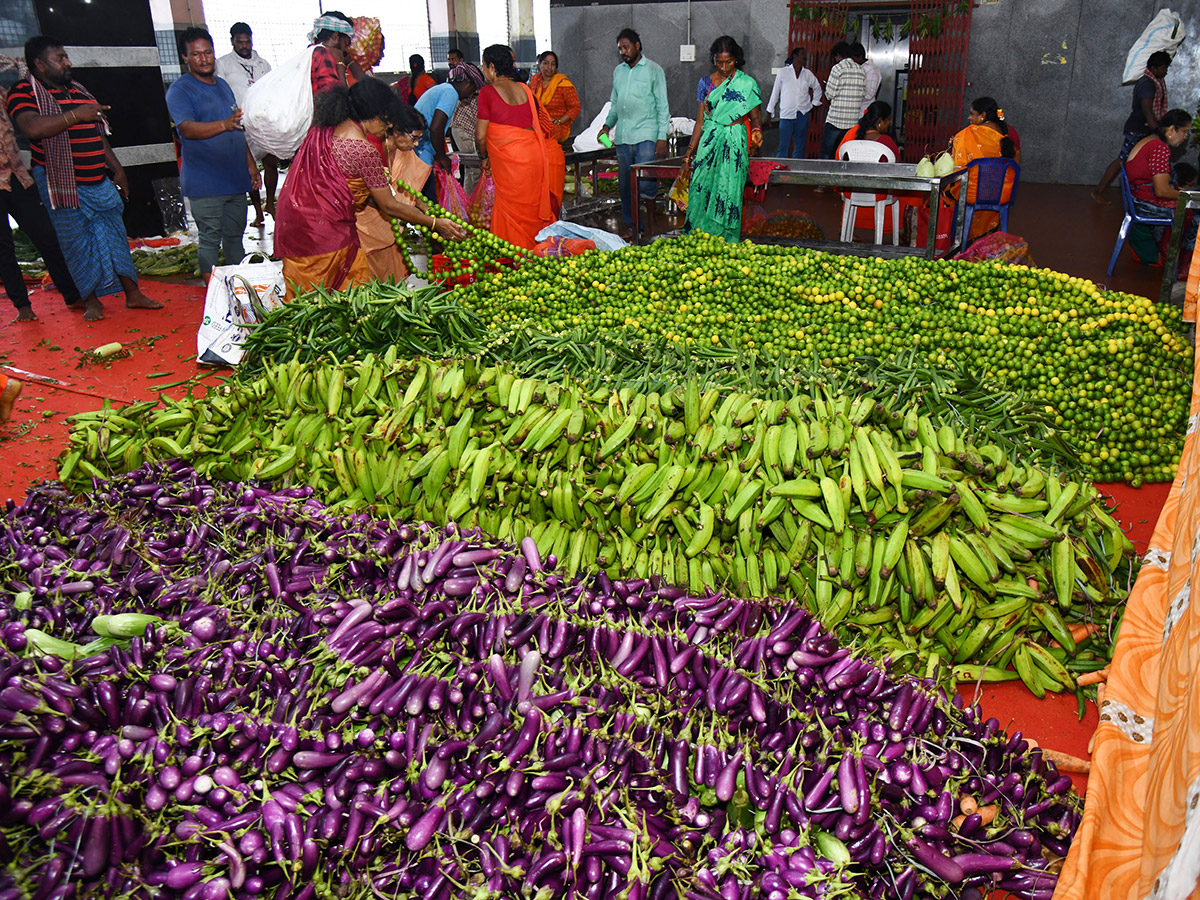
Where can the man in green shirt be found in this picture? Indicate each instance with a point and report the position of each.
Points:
(640, 113)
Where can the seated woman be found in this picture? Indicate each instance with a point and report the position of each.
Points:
(985, 137)
(729, 130)
(512, 136)
(1148, 168)
(875, 125)
(315, 232)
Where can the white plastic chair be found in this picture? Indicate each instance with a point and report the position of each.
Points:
(868, 151)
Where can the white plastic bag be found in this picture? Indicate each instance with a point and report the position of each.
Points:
(603, 240)
(587, 139)
(278, 108)
(681, 126)
(1166, 31)
(238, 298)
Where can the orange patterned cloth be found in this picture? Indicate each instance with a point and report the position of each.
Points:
(560, 99)
(1193, 289)
(1140, 834)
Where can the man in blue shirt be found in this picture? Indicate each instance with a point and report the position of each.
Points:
(437, 105)
(641, 115)
(218, 169)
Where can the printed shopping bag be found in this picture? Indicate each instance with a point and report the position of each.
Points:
(239, 298)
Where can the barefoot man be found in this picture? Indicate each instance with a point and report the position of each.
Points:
(72, 162)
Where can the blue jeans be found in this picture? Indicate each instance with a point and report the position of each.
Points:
(628, 155)
(795, 129)
(221, 222)
(830, 138)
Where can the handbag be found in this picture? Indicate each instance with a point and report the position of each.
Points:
(278, 108)
(238, 299)
(679, 189)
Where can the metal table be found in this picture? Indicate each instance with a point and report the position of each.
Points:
(575, 162)
(1187, 200)
(876, 177)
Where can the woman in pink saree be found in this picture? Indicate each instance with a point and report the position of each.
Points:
(315, 226)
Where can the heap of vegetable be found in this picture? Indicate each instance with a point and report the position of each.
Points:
(180, 260)
(907, 539)
(303, 704)
(1114, 370)
(377, 317)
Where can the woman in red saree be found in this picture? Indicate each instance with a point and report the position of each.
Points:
(315, 231)
(512, 135)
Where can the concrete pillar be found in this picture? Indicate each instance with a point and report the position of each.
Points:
(521, 32)
(452, 24)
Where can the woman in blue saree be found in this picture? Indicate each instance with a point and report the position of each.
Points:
(729, 131)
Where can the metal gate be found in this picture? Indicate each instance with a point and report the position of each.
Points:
(938, 33)
(816, 25)
(937, 75)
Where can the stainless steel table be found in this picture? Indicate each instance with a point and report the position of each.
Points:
(575, 163)
(876, 177)
(1187, 200)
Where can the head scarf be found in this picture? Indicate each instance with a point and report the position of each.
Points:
(329, 23)
(466, 72)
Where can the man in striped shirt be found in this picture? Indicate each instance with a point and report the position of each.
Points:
(71, 165)
(844, 90)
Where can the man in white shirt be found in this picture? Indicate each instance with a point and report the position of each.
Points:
(240, 69)
(844, 89)
(870, 71)
(795, 93)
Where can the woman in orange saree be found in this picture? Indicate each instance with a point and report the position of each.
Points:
(986, 136)
(511, 134)
(558, 97)
(315, 231)
(374, 228)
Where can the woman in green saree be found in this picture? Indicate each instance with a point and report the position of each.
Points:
(728, 132)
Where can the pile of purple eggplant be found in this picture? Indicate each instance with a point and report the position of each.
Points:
(234, 692)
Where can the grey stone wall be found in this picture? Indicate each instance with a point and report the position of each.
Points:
(585, 39)
(1054, 65)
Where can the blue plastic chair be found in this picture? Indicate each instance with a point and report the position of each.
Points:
(1133, 217)
(989, 177)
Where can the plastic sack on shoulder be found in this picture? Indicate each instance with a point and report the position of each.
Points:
(1166, 31)
(278, 108)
